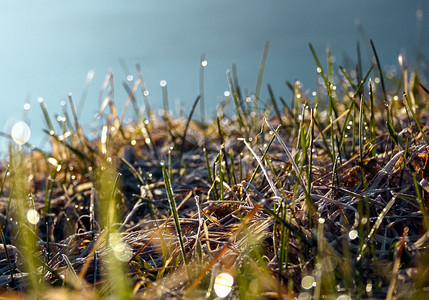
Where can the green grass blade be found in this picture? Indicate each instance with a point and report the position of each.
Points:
(174, 211)
(374, 229)
(46, 115)
(259, 82)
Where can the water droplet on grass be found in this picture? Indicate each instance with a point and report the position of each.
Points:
(353, 234)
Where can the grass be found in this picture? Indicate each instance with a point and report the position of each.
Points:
(323, 198)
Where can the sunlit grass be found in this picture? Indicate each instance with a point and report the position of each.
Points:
(322, 195)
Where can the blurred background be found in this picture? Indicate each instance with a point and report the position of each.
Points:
(50, 48)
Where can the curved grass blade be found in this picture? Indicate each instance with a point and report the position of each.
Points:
(374, 228)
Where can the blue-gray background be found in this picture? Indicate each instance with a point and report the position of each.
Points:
(48, 47)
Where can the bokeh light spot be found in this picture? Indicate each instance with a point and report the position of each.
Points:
(223, 284)
(33, 216)
(21, 133)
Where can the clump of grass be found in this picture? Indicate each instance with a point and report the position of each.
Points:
(322, 198)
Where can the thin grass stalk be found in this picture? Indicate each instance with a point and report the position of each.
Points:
(420, 201)
(88, 81)
(258, 84)
(369, 239)
(257, 169)
(273, 101)
(403, 165)
(145, 93)
(359, 68)
(48, 198)
(203, 63)
(354, 123)
(233, 177)
(222, 148)
(289, 155)
(310, 142)
(324, 140)
(386, 102)
(305, 140)
(150, 142)
(75, 118)
(221, 178)
(373, 128)
(284, 243)
(46, 115)
(241, 167)
(188, 121)
(346, 124)
(174, 211)
(261, 165)
(132, 99)
(329, 56)
(237, 104)
(291, 113)
(170, 164)
(325, 79)
(244, 104)
(361, 133)
(164, 93)
(416, 118)
(349, 79)
(209, 173)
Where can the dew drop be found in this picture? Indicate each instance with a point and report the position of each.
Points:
(53, 161)
(353, 234)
